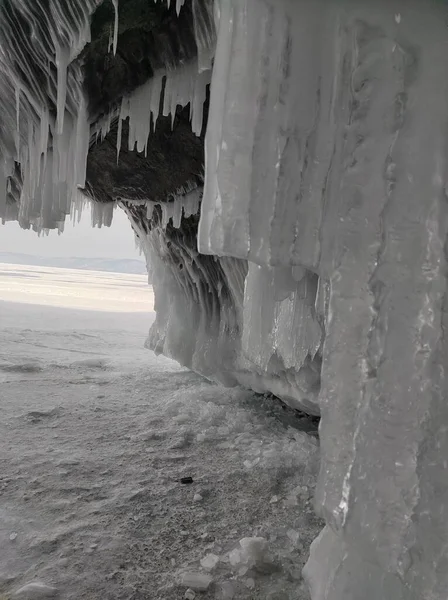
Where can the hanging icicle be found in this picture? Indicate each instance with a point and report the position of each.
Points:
(115, 39)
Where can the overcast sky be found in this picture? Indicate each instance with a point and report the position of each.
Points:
(80, 240)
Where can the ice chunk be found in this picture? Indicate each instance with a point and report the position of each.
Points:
(209, 562)
(293, 535)
(252, 553)
(226, 590)
(197, 581)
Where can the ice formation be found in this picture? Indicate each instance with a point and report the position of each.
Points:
(46, 126)
(312, 261)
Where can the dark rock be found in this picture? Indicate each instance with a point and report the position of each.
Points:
(186, 480)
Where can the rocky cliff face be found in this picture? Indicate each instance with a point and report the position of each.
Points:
(307, 258)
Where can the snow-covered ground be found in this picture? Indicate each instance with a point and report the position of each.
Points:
(95, 437)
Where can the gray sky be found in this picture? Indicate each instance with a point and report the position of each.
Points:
(80, 240)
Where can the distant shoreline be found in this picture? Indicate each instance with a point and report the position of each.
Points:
(108, 265)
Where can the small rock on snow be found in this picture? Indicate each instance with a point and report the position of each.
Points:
(197, 498)
(36, 591)
(197, 581)
(13, 536)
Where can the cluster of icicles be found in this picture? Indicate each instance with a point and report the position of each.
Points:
(46, 155)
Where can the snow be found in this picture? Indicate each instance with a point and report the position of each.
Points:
(94, 441)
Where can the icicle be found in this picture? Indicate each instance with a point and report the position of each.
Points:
(156, 92)
(179, 4)
(105, 124)
(110, 43)
(198, 101)
(177, 213)
(119, 136)
(150, 210)
(182, 86)
(205, 32)
(17, 136)
(78, 205)
(82, 144)
(115, 3)
(124, 113)
(102, 213)
(140, 122)
(44, 132)
(62, 60)
(3, 205)
(191, 203)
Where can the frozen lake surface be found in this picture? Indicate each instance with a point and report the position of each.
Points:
(95, 436)
(72, 288)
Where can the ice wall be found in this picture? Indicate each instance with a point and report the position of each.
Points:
(327, 149)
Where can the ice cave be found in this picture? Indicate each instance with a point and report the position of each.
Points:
(283, 164)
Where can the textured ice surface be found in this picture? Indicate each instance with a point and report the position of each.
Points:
(326, 149)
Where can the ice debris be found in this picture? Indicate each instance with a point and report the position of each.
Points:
(249, 583)
(252, 553)
(294, 536)
(197, 581)
(189, 594)
(226, 591)
(209, 562)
